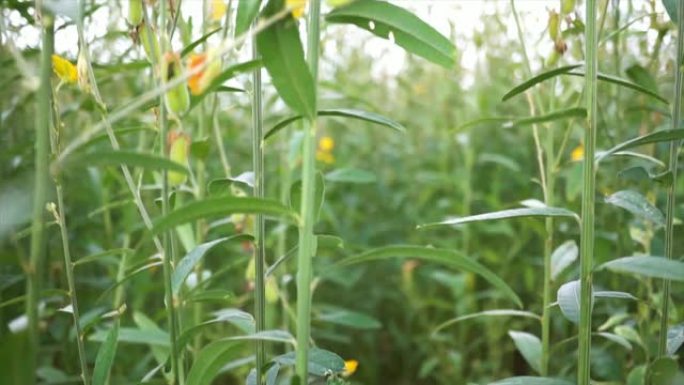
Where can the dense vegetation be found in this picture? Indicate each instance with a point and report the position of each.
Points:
(248, 191)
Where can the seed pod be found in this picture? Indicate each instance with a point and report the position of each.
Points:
(177, 98)
(82, 69)
(179, 150)
(135, 12)
(271, 290)
(554, 23)
(567, 6)
(150, 43)
(552, 59)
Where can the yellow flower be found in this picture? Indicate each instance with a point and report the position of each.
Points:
(577, 154)
(326, 143)
(218, 10)
(350, 367)
(296, 7)
(200, 81)
(64, 69)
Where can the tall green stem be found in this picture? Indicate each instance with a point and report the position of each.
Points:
(306, 236)
(587, 240)
(674, 154)
(34, 267)
(259, 228)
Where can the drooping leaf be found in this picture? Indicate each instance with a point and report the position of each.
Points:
(529, 346)
(527, 84)
(519, 121)
(485, 314)
(505, 214)
(638, 205)
(529, 380)
(283, 56)
(188, 262)
(222, 206)
(350, 175)
(625, 83)
(123, 157)
(562, 257)
(448, 258)
(648, 266)
(654, 137)
(391, 22)
(105, 356)
(343, 113)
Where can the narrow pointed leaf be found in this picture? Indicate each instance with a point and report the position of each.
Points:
(124, 157)
(524, 86)
(506, 214)
(210, 360)
(648, 266)
(220, 206)
(625, 83)
(512, 121)
(105, 356)
(345, 317)
(351, 175)
(529, 346)
(407, 30)
(447, 258)
(654, 137)
(343, 113)
(638, 205)
(246, 13)
(485, 314)
(188, 49)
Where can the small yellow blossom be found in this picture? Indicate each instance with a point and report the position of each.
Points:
(296, 7)
(326, 143)
(324, 151)
(218, 10)
(64, 69)
(577, 154)
(350, 367)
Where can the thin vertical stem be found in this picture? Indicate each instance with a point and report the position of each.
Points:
(34, 267)
(587, 231)
(259, 228)
(306, 237)
(674, 154)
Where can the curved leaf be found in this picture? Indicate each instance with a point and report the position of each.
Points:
(210, 360)
(529, 346)
(636, 204)
(246, 13)
(407, 30)
(220, 206)
(445, 257)
(105, 356)
(320, 361)
(124, 157)
(512, 121)
(527, 84)
(562, 257)
(344, 113)
(625, 83)
(487, 313)
(186, 50)
(654, 137)
(568, 297)
(505, 214)
(648, 266)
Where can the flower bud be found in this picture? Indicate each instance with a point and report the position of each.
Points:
(82, 70)
(150, 43)
(135, 12)
(567, 6)
(554, 24)
(179, 150)
(199, 82)
(177, 98)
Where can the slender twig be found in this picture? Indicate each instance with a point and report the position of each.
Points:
(587, 231)
(259, 229)
(307, 210)
(671, 193)
(34, 267)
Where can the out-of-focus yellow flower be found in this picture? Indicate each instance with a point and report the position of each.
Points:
(324, 152)
(64, 69)
(350, 367)
(218, 10)
(296, 7)
(577, 154)
(200, 81)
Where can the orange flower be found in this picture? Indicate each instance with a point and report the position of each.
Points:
(200, 81)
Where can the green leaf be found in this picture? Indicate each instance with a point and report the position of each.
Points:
(568, 297)
(101, 255)
(189, 261)
(212, 295)
(136, 336)
(246, 13)
(447, 258)
(350, 175)
(648, 266)
(505, 214)
(636, 204)
(527, 84)
(485, 314)
(210, 360)
(345, 317)
(654, 137)
(675, 338)
(105, 356)
(220, 206)
(528, 380)
(319, 195)
(671, 8)
(640, 75)
(662, 371)
(283, 56)
(344, 113)
(620, 340)
(269, 335)
(320, 361)
(562, 257)
(529, 346)
(408, 31)
(512, 121)
(197, 42)
(625, 83)
(123, 157)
